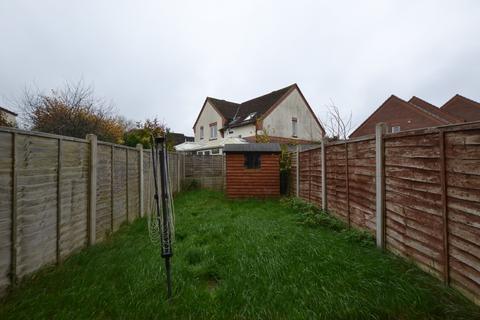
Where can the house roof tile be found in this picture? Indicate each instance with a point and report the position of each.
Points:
(433, 110)
(462, 107)
(237, 114)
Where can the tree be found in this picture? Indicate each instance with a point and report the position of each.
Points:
(337, 125)
(144, 131)
(72, 111)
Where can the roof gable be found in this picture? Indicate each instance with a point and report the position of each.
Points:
(394, 102)
(249, 111)
(239, 114)
(463, 108)
(203, 108)
(433, 110)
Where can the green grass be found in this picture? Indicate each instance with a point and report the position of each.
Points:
(250, 259)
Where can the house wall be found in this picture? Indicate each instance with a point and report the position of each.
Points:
(242, 132)
(9, 117)
(208, 115)
(242, 182)
(279, 122)
(396, 113)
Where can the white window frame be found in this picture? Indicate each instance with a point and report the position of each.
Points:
(395, 129)
(213, 131)
(201, 132)
(294, 127)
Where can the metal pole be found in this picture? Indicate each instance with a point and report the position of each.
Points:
(160, 146)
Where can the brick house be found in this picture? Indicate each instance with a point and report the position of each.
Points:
(463, 108)
(401, 115)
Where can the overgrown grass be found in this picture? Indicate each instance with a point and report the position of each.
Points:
(249, 259)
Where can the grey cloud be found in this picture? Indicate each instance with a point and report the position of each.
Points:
(159, 58)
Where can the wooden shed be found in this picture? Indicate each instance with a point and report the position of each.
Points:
(252, 170)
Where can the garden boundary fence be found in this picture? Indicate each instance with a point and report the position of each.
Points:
(417, 191)
(60, 194)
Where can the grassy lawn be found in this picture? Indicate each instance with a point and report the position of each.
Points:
(247, 259)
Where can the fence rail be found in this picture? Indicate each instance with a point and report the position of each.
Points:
(60, 194)
(418, 192)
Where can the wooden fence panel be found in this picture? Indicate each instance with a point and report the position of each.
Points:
(6, 182)
(304, 159)
(336, 183)
(74, 199)
(413, 200)
(104, 191)
(462, 151)
(119, 187)
(208, 170)
(148, 186)
(316, 177)
(361, 186)
(36, 202)
(133, 185)
(292, 183)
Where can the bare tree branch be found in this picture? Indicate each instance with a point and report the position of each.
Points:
(337, 125)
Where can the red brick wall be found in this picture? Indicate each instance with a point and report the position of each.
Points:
(463, 108)
(396, 112)
(262, 182)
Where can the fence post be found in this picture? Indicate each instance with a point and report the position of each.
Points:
(92, 189)
(13, 259)
(380, 184)
(443, 181)
(324, 175)
(140, 180)
(59, 198)
(297, 178)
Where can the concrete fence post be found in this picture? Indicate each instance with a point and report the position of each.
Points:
(92, 189)
(380, 129)
(297, 177)
(324, 175)
(59, 199)
(14, 253)
(140, 179)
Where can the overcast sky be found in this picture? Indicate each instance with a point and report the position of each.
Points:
(162, 58)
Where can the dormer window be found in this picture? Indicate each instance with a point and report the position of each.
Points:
(201, 132)
(250, 116)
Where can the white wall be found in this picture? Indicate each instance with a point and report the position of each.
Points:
(279, 122)
(209, 115)
(242, 132)
(9, 117)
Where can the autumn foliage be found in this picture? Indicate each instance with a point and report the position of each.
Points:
(73, 111)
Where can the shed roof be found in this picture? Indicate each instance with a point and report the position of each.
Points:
(253, 147)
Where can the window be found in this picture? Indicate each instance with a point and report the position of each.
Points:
(395, 129)
(252, 161)
(294, 127)
(216, 151)
(206, 153)
(201, 132)
(213, 130)
(250, 116)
